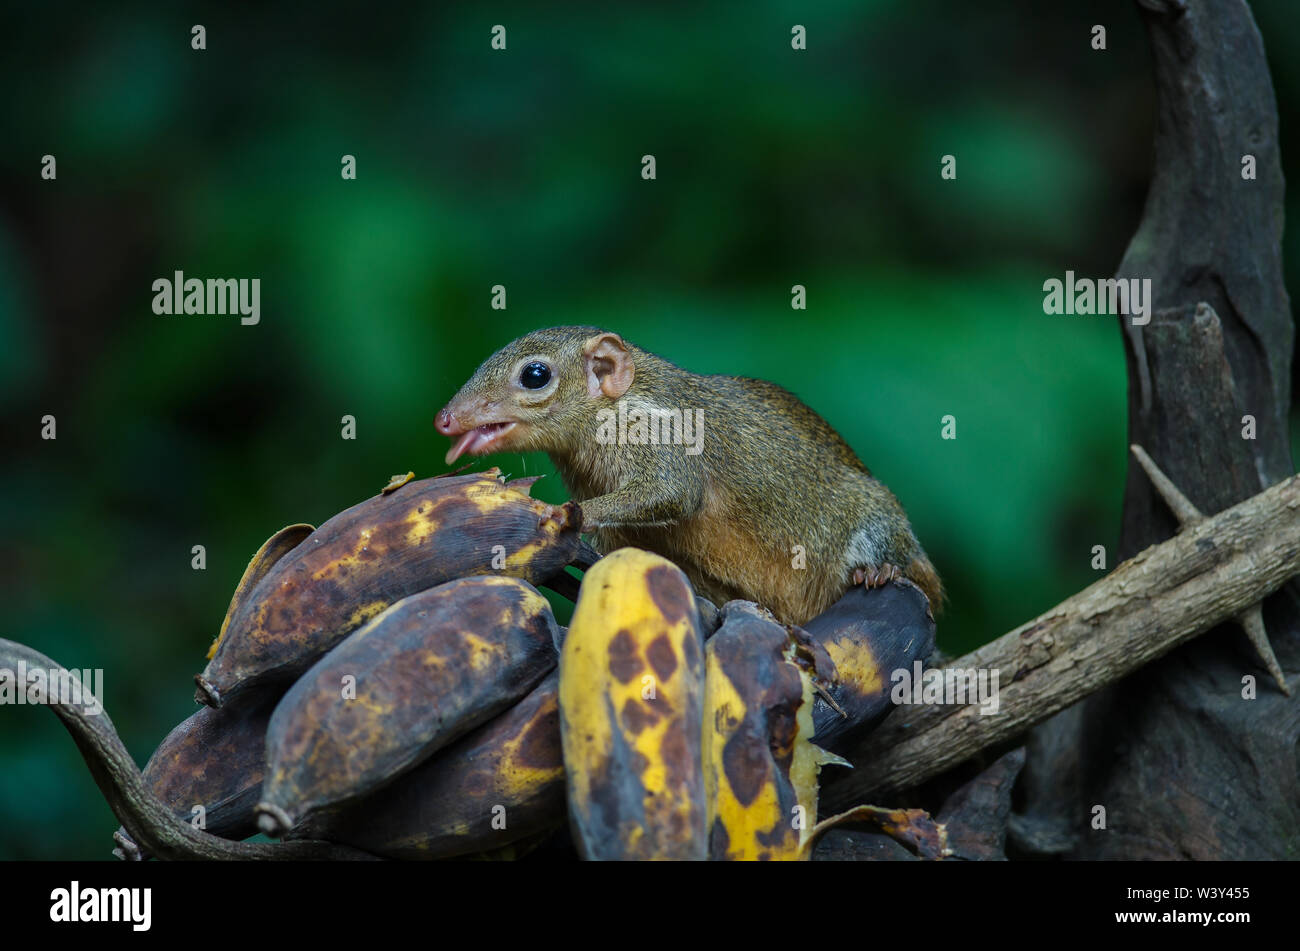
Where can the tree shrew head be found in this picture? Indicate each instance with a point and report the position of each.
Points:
(538, 393)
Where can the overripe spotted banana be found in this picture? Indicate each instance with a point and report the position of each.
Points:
(631, 686)
(868, 634)
(422, 673)
(500, 784)
(208, 770)
(363, 560)
(760, 765)
(272, 550)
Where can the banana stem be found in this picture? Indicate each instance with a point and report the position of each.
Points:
(151, 824)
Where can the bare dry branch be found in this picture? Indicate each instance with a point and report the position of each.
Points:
(1217, 568)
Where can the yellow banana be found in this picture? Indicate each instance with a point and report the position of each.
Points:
(631, 686)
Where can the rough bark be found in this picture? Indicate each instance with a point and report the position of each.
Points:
(1183, 765)
(1162, 597)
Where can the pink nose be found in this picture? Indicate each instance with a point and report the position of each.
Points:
(446, 423)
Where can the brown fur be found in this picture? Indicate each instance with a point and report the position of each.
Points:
(771, 474)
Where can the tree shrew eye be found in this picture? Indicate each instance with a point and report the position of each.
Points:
(535, 376)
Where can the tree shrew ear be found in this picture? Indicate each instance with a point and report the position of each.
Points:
(609, 366)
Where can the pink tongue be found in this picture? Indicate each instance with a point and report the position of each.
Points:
(462, 444)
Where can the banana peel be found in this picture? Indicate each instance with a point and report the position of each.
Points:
(291, 609)
(421, 674)
(272, 550)
(760, 765)
(868, 634)
(914, 829)
(631, 693)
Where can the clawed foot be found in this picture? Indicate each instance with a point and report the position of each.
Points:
(877, 576)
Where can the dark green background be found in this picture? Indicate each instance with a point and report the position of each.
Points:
(522, 168)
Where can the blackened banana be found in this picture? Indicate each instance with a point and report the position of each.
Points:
(212, 761)
(869, 634)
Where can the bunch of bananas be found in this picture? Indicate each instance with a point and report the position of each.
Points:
(393, 681)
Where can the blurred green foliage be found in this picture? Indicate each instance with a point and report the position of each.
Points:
(523, 168)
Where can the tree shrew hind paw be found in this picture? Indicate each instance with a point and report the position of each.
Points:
(877, 576)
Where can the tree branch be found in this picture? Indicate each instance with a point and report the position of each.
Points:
(1215, 358)
(150, 823)
(1214, 570)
